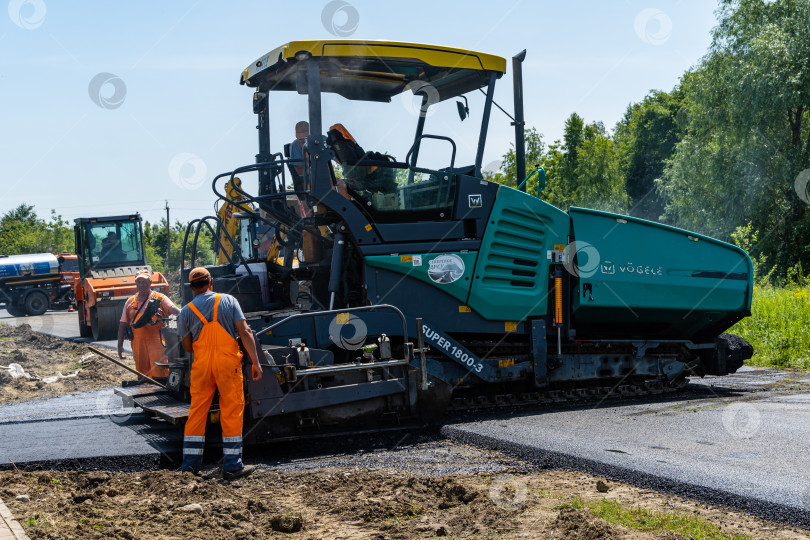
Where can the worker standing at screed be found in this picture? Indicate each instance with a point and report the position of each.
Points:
(209, 326)
(139, 311)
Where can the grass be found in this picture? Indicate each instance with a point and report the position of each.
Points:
(641, 519)
(36, 520)
(779, 327)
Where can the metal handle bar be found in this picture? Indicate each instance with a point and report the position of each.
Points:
(335, 312)
(418, 141)
(204, 221)
(283, 220)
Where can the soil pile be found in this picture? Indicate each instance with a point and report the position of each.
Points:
(175, 287)
(334, 503)
(44, 358)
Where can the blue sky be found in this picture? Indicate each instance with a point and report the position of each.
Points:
(175, 115)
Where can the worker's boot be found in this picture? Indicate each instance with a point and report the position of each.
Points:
(244, 471)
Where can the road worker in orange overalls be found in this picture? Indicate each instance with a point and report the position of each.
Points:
(209, 326)
(147, 345)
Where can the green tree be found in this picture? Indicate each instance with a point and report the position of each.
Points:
(573, 136)
(748, 131)
(155, 236)
(583, 170)
(646, 139)
(598, 181)
(562, 162)
(507, 175)
(22, 231)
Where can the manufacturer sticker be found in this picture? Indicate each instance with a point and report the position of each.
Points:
(405, 258)
(631, 268)
(417, 260)
(446, 269)
(475, 201)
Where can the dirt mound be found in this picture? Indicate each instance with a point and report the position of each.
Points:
(44, 358)
(175, 290)
(343, 503)
(575, 524)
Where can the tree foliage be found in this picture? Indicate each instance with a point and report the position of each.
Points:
(507, 175)
(155, 240)
(582, 171)
(748, 131)
(22, 231)
(646, 139)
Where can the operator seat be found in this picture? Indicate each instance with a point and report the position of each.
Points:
(360, 178)
(298, 180)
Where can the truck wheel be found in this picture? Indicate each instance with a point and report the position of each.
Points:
(15, 311)
(85, 330)
(104, 322)
(36, 303)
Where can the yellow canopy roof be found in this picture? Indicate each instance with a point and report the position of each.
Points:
(375, 70)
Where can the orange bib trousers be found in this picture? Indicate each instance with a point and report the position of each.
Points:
(217, 365)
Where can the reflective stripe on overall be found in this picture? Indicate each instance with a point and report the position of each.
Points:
(217, 365)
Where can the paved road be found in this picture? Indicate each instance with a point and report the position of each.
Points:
(81, 429)
(735, 439)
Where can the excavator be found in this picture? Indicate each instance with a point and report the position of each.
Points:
(419, 285)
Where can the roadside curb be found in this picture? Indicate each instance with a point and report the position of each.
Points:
(9, 528)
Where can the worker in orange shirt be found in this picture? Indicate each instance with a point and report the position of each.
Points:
(209, 326)
(147, 345)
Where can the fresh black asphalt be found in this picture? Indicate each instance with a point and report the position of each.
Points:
(741, 440)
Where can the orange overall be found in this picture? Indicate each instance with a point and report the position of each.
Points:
(147, 345)
(217, 365)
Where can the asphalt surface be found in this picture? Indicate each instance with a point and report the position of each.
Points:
(740, 440)
(88, 430)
